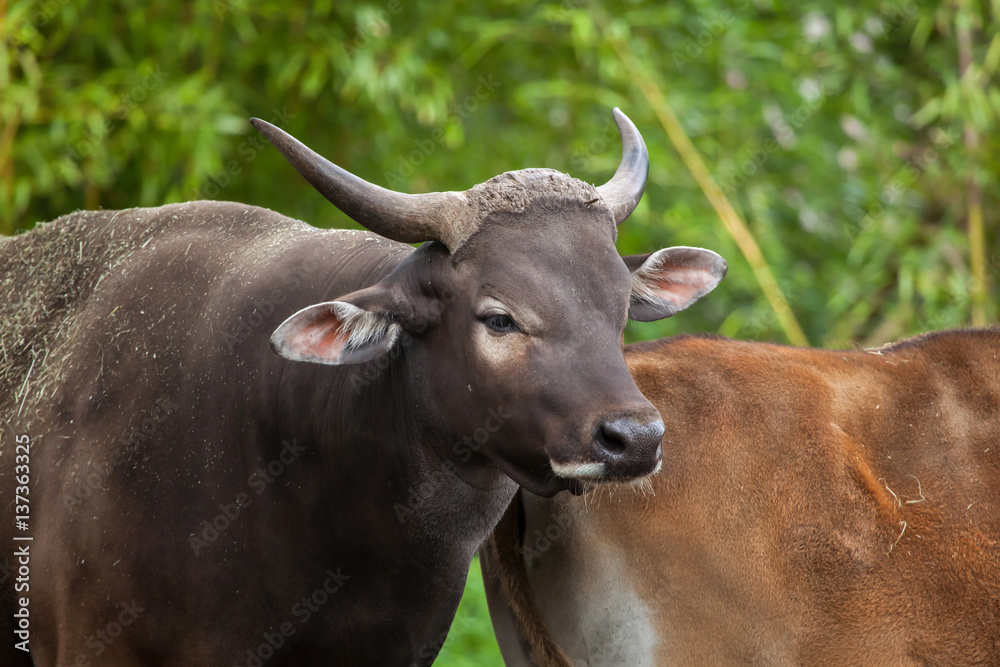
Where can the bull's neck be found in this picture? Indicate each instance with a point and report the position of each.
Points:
(377, 445)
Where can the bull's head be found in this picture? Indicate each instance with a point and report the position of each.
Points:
(517, 305)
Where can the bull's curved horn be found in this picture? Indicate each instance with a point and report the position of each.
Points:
(436, 216)
(622, 193)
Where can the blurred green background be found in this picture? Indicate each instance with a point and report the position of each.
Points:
(843, 159)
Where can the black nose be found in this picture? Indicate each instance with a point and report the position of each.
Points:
(627, 444)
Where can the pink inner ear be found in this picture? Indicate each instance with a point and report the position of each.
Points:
(679, 286)
(324, 337)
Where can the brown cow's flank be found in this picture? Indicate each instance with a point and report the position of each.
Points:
(817, 507)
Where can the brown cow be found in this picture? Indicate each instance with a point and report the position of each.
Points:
(815, 507)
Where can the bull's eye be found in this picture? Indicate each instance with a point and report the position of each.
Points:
(501, 323)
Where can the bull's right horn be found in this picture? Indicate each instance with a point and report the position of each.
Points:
(436, 216)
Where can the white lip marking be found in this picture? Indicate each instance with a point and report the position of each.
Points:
(578, 470)
(594, 471)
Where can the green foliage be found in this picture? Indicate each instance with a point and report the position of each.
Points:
(470, 642)
(836, 131)
(839, 131)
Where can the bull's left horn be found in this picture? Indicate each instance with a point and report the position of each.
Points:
(622, 193)
(436, 216)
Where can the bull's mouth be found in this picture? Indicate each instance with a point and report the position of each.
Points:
(542, 480)
(578, 477)
(592, 473)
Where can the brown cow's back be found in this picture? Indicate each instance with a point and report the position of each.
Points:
(814, 507)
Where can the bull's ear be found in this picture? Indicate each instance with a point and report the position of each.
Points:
(352, 330)
(670, 280)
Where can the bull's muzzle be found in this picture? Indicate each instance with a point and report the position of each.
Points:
(621, 449)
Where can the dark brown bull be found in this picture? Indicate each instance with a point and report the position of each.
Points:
(197, 499)
(814, 508)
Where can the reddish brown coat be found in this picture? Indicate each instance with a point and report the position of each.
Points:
(814, 507)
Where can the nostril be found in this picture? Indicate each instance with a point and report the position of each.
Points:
(622, 435)
(626, 449)
(611, 438)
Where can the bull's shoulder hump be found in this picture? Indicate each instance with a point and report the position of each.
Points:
(241, 219)
(213, 227)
